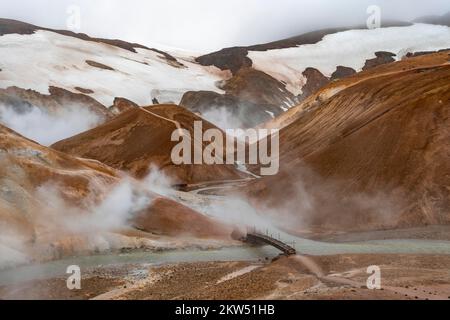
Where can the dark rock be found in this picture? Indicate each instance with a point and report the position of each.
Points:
(57, 99)
(83, 90)
(232, 59)
(382, 57)
(8, 26)
(342, 72)
(252, 96)
(121, 105)
(315, 80)
(422, 53)
(63, 97)
(98, 65)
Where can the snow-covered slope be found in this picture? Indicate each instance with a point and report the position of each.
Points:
(44, 58)
(350, 49)
(266, 80)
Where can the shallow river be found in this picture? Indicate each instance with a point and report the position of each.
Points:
(242, 253)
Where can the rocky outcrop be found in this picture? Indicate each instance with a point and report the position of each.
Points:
(84, 90)
(342, 72)
(422, 53)
(314, 81)
(382, 57)
(121, 105)
(57, 99)
(99, 65)
(232, 59)
(251, 95)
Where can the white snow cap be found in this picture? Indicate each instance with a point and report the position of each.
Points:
(349, 48)
(45, 59)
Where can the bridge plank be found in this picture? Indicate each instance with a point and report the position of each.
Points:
(258, 237)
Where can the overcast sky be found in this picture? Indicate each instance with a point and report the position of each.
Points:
(206, 25)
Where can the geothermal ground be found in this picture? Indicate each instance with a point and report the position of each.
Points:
(405, 277)
(413, 262)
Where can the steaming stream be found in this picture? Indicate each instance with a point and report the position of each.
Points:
(243, 253)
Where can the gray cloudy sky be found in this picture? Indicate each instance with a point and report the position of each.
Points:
(205, 25)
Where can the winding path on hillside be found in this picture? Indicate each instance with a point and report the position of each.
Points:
(176, 123)
(180, 129)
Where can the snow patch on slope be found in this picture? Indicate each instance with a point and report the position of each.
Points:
(349, 48)
(45, 59)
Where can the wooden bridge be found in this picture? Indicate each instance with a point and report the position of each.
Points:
(258, 238)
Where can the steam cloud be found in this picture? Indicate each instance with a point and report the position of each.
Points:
(47, 128)
(223, 118)
(113, 212)
(12, 247)
(108, 210)
(78, 225)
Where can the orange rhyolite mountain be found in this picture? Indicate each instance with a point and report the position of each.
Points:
(140, 138)
(368, 152)
(42, 188)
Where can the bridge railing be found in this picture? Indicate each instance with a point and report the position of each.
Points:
(275, 240)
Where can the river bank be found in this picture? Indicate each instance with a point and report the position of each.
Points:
(332, 268)
(344, 277)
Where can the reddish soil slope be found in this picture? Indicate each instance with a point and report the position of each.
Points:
(170, 218)
(31, 221)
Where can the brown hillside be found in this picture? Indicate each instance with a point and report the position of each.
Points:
(370, 151)
(139, 138)
(44, 191)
